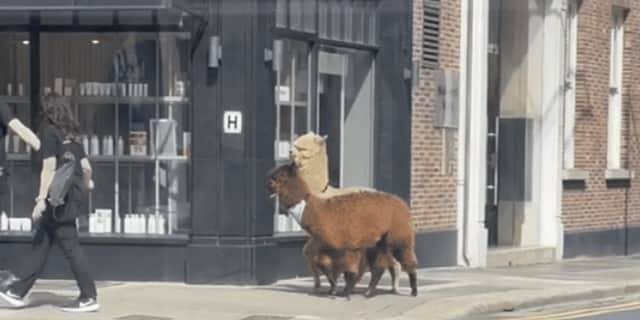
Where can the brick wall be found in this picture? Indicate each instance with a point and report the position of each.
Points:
(433, 190)
(600, 205)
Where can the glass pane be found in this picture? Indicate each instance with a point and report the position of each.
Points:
(295, 14)
(292, 104)
(285, 123)
(359, 7)
(281, 13)
(323, 18)
(336, 19)
(347, 18)
(371, 19)
(301, 121)
(309, 15)
(129, 93)
(17, 186)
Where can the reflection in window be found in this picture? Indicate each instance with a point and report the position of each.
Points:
(129, 94)
(18, 189)
(292, 103)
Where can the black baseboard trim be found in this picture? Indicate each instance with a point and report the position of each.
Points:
(203, 260)
(437, 249)
(624, 241)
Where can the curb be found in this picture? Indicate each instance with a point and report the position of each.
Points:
(537, 300)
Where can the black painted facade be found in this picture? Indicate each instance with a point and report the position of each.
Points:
(231, 238)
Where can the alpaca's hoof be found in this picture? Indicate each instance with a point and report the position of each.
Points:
(331, 293)
(393, 291)
(414, 292)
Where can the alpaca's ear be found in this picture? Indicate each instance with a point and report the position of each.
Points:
(321, 139)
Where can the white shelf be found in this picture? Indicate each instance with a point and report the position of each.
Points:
(18, 157)
(130, 100)
(106, 100)
(15, 99)
(127, 158)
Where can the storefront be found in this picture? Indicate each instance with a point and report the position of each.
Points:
(186, 105)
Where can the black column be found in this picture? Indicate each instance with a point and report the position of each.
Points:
(393, 98)
(229, 204)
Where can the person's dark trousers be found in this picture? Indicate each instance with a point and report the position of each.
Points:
(65, 236)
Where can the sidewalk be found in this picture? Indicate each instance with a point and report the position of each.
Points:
(444, 294)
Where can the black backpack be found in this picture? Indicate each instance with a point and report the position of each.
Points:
(66, 187)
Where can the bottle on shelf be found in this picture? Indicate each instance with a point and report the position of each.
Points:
(152, 227)
(95, 145)
(85, 143)
(4, 222)
(120, 145)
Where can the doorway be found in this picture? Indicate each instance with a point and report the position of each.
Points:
(513, 119)
(345, 114)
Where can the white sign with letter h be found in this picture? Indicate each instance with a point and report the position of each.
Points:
(232, 122)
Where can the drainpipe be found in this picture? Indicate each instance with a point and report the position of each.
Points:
(463, 123)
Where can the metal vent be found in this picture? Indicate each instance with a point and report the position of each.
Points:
(431, 34)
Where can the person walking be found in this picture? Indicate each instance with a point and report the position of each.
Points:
(55, 219)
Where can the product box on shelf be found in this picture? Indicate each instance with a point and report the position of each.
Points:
(138, 143)
(163, 137)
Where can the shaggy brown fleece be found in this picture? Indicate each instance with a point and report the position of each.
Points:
(333, 263)
(350, 222)
(310, 155)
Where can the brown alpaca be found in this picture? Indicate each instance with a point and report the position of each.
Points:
(310, 156)
(349, 222)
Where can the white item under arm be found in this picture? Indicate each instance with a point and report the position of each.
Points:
(25, 133)
(46, 176)
(87, 173)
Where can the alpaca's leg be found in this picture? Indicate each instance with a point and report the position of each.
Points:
(409, 262)
(352, 263)
(310, 253)
(350, 283)
(316, 276)
(376, 274)
(329, 273)
(394, 271)
(379, 259)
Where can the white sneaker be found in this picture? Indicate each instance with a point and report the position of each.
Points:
(12, 299)
(82, 305)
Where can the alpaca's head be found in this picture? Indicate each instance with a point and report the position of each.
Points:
(285, 182)
(309, 152)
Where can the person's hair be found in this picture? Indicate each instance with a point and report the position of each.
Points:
(56, 111)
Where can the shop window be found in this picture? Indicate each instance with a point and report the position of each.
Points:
(345, 114)
(298, 15)
(129, 94)
(292, 106)
(431, 34)
(616, 59)
(348, 20)
(18, 190)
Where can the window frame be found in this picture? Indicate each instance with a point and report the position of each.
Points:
(616, 69)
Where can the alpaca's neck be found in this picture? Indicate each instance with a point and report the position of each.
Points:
(316, 173)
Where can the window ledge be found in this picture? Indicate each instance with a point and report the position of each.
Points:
(295, 236)
(575, 175)
(618, 174)
(86, 238)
